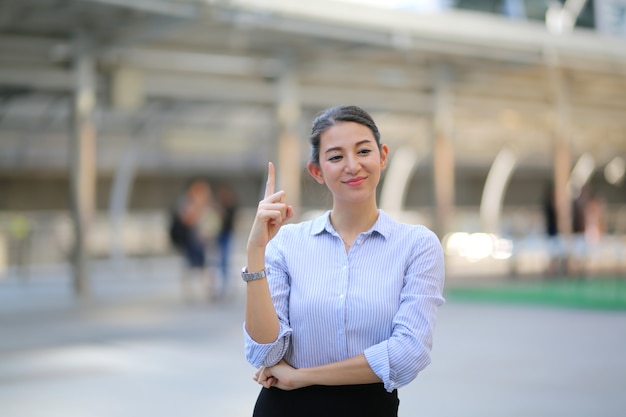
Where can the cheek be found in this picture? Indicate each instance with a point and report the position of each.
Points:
(325, 169)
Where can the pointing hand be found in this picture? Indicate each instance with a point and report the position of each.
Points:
(272, 213)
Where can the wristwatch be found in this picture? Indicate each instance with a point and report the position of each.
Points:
(251, 276)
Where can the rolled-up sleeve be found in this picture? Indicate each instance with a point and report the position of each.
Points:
(398, 360)
(270, 354)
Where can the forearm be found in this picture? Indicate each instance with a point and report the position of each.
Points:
(261, 320)
(355, 370)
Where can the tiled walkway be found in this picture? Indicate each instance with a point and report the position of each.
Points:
(136, 350)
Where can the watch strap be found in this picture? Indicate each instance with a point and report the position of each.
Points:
(251, 276)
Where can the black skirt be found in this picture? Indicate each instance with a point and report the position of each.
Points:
(366, 400)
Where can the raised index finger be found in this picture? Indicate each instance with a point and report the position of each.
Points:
(269, 185)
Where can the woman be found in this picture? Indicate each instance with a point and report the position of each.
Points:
(339, 310)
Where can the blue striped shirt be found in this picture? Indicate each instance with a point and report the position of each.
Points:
(380, 298)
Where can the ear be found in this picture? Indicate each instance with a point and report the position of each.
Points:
(384, 153)
(315, 171)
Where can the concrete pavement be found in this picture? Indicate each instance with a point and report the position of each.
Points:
(136, 349)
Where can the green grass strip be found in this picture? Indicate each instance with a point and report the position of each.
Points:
(577, 292)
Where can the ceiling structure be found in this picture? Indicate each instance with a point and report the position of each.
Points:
(193, 84)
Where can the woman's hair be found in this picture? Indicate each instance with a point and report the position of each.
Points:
(333, 116)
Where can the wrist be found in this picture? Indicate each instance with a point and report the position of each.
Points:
(256, 259)
(304, 377)
(248, 275)
(256, 242)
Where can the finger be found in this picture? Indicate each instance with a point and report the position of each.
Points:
(271, 381)
(258, 373)
(271, 208)
(273, 202)
(271, 181)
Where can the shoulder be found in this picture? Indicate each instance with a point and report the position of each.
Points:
(411, 241)
(416, 233)
(293, 239)
(303, 227)
(420, 238)
(291, 233)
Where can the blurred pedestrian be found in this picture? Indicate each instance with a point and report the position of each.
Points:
(186, 235)
(227, 206)
(595, 218)
(340, 310)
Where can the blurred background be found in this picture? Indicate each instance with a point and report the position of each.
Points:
(506, 122)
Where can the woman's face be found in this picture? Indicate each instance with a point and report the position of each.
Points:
(350, 162)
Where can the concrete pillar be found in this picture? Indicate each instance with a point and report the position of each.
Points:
(562, 148)
(289, 167)
(443, 152)
(82, 159)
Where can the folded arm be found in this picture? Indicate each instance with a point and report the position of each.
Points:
(355, 370)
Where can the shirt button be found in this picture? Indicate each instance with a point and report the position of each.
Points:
(341, 296)
(345, 267)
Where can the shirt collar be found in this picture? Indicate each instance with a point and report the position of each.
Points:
(382, 226)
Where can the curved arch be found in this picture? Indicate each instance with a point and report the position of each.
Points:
(124, 177)
(581, 174)
(495, 187)
(397, 179)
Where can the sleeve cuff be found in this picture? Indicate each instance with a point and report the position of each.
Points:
(378, 359)
(269, 354)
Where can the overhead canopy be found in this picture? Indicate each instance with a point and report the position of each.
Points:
(195, 82)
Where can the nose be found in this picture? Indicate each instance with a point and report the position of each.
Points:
(352, 164)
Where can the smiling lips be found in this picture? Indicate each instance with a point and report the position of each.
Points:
(354, 182)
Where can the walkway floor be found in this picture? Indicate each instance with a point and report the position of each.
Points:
(137, 350)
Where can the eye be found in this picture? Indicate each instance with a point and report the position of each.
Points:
(335, 158)
(364, 151)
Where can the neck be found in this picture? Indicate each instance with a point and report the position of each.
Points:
(350, 221)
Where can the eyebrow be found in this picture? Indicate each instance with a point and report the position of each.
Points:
(338, 148)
